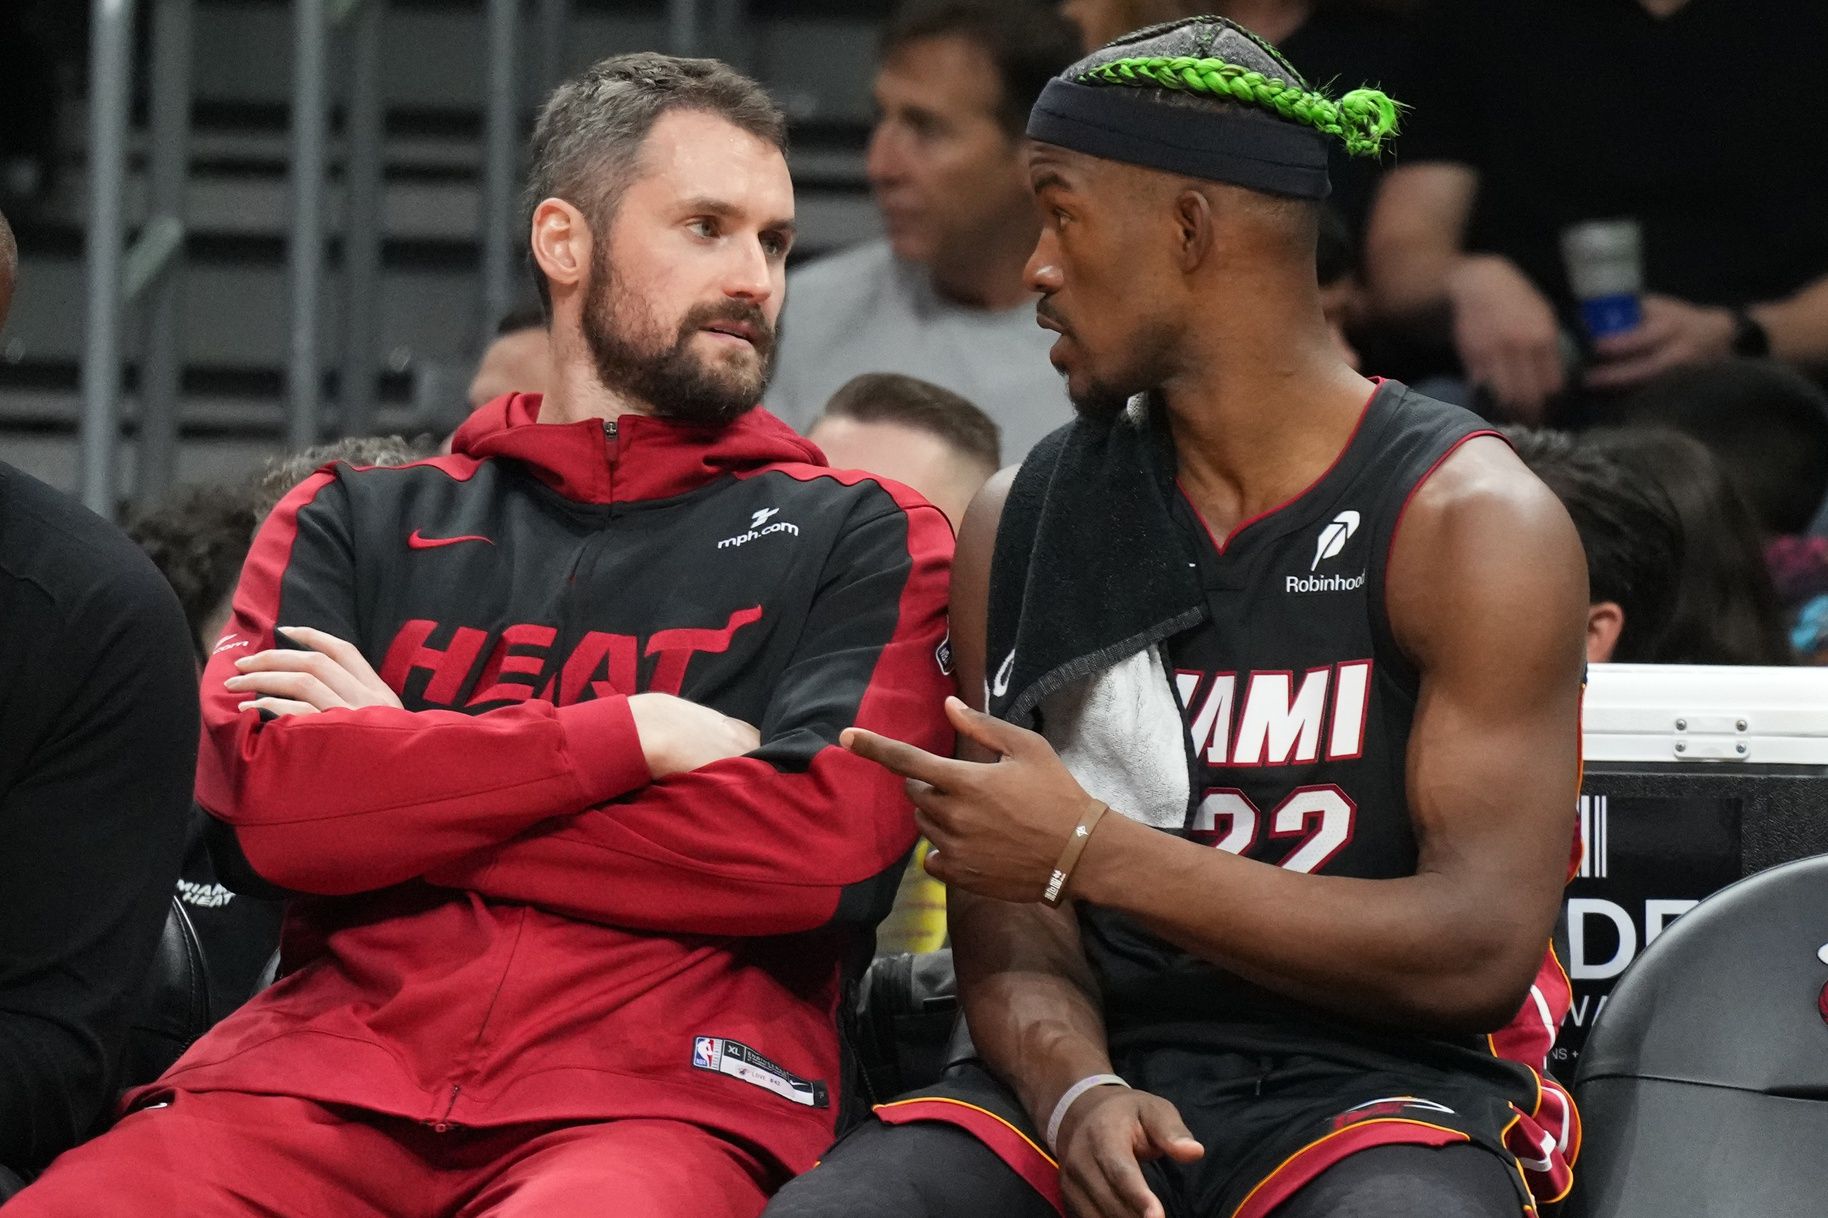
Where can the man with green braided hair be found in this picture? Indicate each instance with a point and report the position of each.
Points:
(1265, 799)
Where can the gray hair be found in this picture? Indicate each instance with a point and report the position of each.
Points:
(587, 142)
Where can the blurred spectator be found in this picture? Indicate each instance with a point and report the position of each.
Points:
(518, 361)
(98, 738)
(913, 432)
(197, 538)
(1340, 45)
(1341, 294)
(1725, 609)
(944, 296)
(1766, 424)
(1630, 532)
(1799, 572)
(1536, 115)
(363, 452)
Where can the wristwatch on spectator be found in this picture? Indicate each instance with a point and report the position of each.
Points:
(1750, 338)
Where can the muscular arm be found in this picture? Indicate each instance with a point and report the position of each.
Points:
(1488, 598)
(1028, 995)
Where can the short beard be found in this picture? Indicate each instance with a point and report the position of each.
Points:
(677, 384)
(1099, 403)
(1102, 401)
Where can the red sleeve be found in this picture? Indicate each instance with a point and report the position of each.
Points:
(800, 833)
(353, 800)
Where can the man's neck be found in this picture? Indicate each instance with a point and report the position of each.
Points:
(988, 275)
(1259, 419)
(1273, 19)
(575, 393)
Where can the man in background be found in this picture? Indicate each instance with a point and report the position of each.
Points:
(518, 361)
(942, 296)
(913, 431)
(98, 741)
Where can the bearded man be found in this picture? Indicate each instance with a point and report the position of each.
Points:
(541, 738)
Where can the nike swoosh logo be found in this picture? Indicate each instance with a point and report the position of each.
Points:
(418, 541)
(1004, 671)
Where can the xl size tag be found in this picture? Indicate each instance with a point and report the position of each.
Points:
(739, 1061)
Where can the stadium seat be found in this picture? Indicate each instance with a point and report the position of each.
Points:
(174, 1003)
(1704, 1084)
(906, 1010)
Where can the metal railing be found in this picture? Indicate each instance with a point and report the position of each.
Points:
(144, 283)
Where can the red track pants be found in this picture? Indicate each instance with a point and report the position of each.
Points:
(222, 1154)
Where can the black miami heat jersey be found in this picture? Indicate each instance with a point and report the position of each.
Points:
(1297, 706)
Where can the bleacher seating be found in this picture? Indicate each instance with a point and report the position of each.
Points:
(817, 57)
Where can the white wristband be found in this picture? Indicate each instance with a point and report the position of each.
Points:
(1073, 1093)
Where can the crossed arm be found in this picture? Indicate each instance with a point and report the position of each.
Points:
(645, 811)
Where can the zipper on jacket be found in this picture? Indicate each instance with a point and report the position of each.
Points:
(612, 438)
(446, 1125)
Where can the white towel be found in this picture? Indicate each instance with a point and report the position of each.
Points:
(1121, 735)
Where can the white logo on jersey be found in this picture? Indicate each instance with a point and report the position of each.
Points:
(1323, 583)
(1333, 538)
(756, 530)
(1004, 672)
(1275, 721)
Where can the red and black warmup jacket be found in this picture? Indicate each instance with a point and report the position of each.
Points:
(500, 916)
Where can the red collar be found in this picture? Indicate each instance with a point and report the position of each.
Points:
(648, 458)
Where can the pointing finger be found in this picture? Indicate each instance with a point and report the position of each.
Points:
(906, 760)
(986, 730)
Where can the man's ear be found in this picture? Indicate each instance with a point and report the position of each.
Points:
(1605, 622)
(563, 245)
(1194, 228)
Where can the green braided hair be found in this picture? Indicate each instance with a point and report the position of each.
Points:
(1362, 119)
(1217, 58)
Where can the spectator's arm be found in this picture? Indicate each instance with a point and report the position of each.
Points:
(799, 833)
(1415, 238)
(1504, 329)
(94, 835)
(1798, 325)
(351, 800)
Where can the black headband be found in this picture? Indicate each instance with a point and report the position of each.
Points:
(1213, 143)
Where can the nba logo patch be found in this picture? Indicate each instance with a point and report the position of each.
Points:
(704, 1052)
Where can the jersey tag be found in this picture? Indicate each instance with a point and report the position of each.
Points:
(739, 1061)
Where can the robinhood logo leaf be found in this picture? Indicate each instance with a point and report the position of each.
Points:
(1333, 538)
